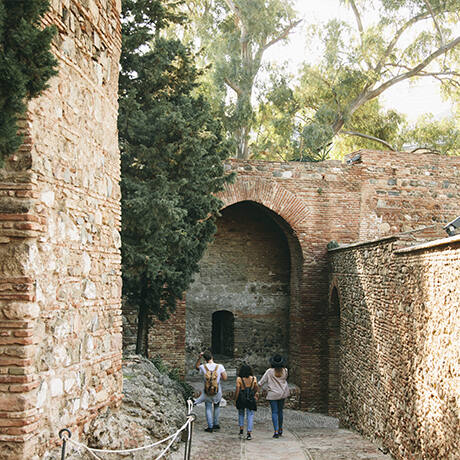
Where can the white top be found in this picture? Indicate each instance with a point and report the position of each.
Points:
(278, 387)
(220, 369)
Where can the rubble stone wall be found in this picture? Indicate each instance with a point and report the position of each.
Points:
(399, 334)
(60, 285)
(376, 195)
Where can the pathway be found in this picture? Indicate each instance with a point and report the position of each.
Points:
(306, 437)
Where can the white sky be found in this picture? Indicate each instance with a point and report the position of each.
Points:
(413, 99)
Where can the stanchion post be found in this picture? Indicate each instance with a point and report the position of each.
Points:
(190, 438)
(64, 434)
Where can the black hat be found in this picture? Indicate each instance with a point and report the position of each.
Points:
(278, 361)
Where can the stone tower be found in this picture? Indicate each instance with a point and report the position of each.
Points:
(60, 285)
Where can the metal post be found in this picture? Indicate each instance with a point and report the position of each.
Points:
(190, 437)
(64, 438)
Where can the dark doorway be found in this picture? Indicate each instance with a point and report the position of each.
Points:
(223, 333)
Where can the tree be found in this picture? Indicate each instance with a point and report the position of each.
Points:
(26, 64)
(361, 63)
(235, 34)
(441, 136)
(172, 153)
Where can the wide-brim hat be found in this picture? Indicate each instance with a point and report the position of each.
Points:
(278, 361)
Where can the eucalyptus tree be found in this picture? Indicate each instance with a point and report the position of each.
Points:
(234, 36)
(391, 41)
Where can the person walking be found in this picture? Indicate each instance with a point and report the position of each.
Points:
(277, 390)
(212, 373)
(246, 396)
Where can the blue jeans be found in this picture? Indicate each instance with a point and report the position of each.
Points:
(212, 420)
(250, 417)
(277, 413)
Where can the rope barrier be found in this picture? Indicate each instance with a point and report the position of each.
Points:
(65, 435)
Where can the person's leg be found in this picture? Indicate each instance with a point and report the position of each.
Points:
(200, 399)
(241, 419)
(208, 405)
(250, 420)
(280, 415)
(274, 408)
(216, 415)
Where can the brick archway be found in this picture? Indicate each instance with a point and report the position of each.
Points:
(271, 195)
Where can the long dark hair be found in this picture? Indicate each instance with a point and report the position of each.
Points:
(245, 371)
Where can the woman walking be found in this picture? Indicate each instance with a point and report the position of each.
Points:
(278, 391)
(246, 396)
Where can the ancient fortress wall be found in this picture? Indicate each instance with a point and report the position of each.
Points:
(399, 352)
(60, 285)
(377, 195)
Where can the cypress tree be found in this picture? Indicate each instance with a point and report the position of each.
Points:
(172, 149)
(26, 64)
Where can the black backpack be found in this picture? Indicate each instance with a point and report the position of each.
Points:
(246, 397)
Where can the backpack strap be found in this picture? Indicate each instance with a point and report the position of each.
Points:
(242, 382)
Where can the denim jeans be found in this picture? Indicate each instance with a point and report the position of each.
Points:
(250, 417)
(277, 413)
(212, 420)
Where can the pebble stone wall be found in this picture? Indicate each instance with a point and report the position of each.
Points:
(399, 344)
(60, 285)
(376, 195)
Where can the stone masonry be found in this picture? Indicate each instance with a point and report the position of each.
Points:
(60, 285)
(378, 194)
(399, 355)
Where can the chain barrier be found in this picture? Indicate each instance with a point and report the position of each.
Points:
(66, 436)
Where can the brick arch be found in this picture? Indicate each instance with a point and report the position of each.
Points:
(271, 195)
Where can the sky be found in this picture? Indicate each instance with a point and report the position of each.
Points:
(409, 98)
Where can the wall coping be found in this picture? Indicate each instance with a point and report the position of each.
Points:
(430, 244)
(365, 243)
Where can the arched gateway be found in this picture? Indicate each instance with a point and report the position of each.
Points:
(268, 265)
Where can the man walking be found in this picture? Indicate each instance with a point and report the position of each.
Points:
(212, 373)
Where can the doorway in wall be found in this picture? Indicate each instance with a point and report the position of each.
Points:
(223, 333)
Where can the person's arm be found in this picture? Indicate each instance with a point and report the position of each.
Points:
(263, 380)
(256, 389)
(237, 391)
(223, 374)
(198, 362)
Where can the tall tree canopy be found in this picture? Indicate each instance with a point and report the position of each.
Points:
(26, 64)
(388, 42)
(172, 152)
(410, 39)
(235, 34)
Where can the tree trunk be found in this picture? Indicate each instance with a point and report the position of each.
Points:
(243, 144)
(142, 330)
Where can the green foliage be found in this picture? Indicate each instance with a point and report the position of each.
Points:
(172, 153)
(405, 40)
(26, 64)
(441, 136)
(173, 373)
(234, 36)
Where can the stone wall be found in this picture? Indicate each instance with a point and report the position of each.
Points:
(60, 287)
(245, 271)
(399, 357)
(377, 194)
